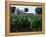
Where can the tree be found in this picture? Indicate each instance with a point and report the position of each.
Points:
(18, 11)
(12, 9)
(38, 10)
(26, 9)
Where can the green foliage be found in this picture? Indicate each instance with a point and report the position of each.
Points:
(26, 22)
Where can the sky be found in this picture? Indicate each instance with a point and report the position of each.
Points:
(31, 8)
